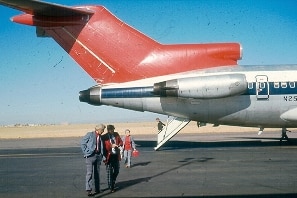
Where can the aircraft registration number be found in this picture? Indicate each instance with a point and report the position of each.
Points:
(290, 98)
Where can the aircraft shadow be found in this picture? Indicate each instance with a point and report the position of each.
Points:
(128, 183)
(260, 142)
(185, 162)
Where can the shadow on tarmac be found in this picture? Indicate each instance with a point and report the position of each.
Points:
(288, 195)
(128, 183)
(187, 161)
(171, 145)
(68, 154)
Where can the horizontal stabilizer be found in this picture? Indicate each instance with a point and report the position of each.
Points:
(39, 8)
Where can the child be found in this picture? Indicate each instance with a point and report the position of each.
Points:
(128, 147)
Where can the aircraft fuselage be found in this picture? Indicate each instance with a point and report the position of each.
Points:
(259, 96)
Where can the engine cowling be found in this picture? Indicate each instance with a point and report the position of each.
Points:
(203, 87)
(91, 96)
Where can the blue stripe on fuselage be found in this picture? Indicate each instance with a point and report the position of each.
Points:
(131, 92)
(143, 92)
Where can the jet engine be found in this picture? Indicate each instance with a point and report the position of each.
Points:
(203, 87)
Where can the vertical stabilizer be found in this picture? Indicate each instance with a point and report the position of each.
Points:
(109, 50)
(105, 47)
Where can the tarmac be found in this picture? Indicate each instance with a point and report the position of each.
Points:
(190, 165)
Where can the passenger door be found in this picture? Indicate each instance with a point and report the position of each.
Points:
(262, 87)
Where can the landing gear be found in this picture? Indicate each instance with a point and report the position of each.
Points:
(260, 130)
(284, 135)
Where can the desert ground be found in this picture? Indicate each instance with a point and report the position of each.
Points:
(136, 128)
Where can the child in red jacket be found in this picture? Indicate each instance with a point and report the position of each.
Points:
(129, 147)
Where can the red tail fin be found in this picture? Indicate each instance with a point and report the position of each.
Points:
(106, 48)
(111, 51)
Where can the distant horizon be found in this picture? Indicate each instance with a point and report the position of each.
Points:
(67, 124)
(150, 118)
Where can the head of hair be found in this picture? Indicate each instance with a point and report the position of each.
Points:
(99, 127)
(110, 127)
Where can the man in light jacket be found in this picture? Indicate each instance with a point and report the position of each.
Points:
(92, 148)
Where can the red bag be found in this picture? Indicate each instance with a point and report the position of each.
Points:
(135, 153)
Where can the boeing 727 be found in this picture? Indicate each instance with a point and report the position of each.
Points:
(190, 82)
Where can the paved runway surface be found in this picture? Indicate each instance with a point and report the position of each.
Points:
(201, 165)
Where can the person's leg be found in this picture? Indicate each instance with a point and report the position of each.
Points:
(109, 175)
(125, 157)
(116, 170)
(97, 164)
(129, 154)
(89, 175)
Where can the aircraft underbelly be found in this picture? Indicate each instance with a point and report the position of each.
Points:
(230, 111)
(212, 111)
(243, 110)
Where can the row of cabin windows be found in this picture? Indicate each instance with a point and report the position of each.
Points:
(275, 84)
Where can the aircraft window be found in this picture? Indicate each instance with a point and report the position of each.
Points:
(276, 84)
(262, 85)
(284, 84)
(292, 84)
(250, 85)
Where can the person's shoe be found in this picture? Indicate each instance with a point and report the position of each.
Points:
(98, 192)
(112, 187)
(89, 193)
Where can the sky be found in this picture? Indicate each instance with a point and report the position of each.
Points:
(40, 82)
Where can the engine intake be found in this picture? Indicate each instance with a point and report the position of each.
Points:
(91, 96)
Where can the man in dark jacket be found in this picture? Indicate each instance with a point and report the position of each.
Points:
(112, 141)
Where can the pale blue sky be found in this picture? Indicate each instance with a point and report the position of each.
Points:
(39, 82)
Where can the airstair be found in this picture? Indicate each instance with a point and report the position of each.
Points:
(170, 130)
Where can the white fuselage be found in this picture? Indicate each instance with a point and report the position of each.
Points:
(269, 98)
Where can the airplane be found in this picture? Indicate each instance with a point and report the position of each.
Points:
(189, 82)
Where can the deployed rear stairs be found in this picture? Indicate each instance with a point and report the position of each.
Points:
(170, 130)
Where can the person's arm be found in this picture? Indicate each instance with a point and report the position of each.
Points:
(123, 140)
(133, 143)
(119, 140)
(104, 146)
(84, 144)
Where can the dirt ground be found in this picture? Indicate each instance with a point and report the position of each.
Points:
(138, 128)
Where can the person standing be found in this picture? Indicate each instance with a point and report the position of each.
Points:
(160, 124)
(112, 141)
(92, 148)
(129, 146)
(284, 135)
